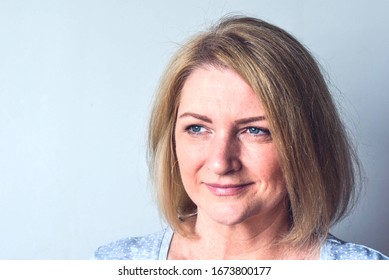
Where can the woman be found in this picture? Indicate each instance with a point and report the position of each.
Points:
(248, 153)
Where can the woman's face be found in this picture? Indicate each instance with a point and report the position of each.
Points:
(227, 159)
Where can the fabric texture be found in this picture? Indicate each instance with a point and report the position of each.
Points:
(156, 247)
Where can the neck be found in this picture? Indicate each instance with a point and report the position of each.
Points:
(256, 237)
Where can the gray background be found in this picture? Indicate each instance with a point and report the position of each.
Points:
(76, 83)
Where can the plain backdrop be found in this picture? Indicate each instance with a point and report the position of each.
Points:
(77, 79)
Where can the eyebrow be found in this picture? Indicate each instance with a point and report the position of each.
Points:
(197, 116)
(208, 120)
(251, 119)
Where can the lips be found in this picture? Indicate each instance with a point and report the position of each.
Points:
(227, 190)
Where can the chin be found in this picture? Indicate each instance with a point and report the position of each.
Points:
(229, 216)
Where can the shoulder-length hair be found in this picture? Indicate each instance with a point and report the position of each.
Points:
(317, 160)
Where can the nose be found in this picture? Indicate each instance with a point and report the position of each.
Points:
(223, 156)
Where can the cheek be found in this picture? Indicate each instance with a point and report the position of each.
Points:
(189, 156)
(264, 162)
(188, 167)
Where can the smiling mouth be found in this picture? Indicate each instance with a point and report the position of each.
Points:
(227, 190)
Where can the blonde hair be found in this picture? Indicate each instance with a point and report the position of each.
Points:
(317, 159)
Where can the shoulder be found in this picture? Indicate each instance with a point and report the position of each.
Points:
(146, 247)
(336, 249)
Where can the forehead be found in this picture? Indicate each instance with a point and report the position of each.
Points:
(218, 90)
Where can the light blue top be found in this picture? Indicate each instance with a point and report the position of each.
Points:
(156, 247)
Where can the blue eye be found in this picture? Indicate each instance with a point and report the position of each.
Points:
(254, 130)
(195, 129)
(258, 131)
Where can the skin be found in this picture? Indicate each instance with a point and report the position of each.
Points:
(230, 169)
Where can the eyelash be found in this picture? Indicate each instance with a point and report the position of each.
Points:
(260, 131)
(190, 128)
